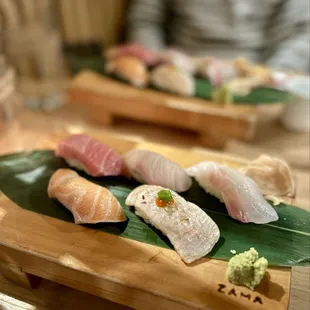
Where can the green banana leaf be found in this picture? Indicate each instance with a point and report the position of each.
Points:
(24, 178)
(261, 95)
(256, 96)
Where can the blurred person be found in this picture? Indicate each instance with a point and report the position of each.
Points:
(275, 32)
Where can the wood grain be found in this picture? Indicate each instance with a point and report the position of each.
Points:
(14, 297)
(14, 274)
(127, 271)
(93, 20)
(101, 96)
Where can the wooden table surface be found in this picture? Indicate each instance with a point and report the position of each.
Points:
(33, 126)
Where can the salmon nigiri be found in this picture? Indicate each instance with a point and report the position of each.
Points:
(88, 202)
(241, 195)
(130, 69)
(88, 154)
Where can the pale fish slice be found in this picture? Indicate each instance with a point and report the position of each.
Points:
(190, 230)
(241, 195)
(152, 168)
(173, 79)
(272, 175)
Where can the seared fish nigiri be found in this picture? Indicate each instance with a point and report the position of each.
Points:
(88, 202)
(152, 168)
(241, 195)
(190, 230)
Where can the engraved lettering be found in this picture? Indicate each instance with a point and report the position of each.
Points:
(248, 296)
(232, 292)
(258, 299)
(221, 287)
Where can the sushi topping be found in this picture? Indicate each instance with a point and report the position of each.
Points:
(163, 203)
(165, 195)
(164, 199)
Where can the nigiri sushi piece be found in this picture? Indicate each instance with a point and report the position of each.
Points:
(273, 176)
(173, 79)
(246, 69)
(87, 154)
(178, 59)
(130, 69)
(190, 230)
(147, 56)
(152, 168)
(249, 77)
(241, 195)
(88, 202)
(216, 71)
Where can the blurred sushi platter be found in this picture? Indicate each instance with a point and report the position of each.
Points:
(215, 98)
(139, 275)
(104, 98)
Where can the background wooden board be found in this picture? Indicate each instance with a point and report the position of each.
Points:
(102, 98)
(126, 271)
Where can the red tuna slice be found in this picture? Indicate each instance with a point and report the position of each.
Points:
(96, 158)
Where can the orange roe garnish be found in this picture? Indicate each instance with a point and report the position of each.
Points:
(162, 203)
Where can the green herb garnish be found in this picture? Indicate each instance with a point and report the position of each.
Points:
(222, 95)
(164, 195)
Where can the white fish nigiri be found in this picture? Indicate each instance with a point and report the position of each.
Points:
(152, 168)
(272, 175)
(173, 79)
(190, 230)
(241, 195)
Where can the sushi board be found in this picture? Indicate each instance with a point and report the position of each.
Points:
(104, 98)
(125, 271)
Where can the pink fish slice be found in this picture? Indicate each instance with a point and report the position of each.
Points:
(88, 154)
(242, 197)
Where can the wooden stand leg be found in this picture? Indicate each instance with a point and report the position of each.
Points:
(213, 140)
(101, 117)
(15, 275)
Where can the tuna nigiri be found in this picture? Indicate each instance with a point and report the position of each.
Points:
(88, 202)
(190, 230)
(241, 195)
(152, 168)
(86, 153)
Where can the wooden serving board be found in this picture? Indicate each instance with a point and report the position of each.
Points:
(104, 98)
(128, 272)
